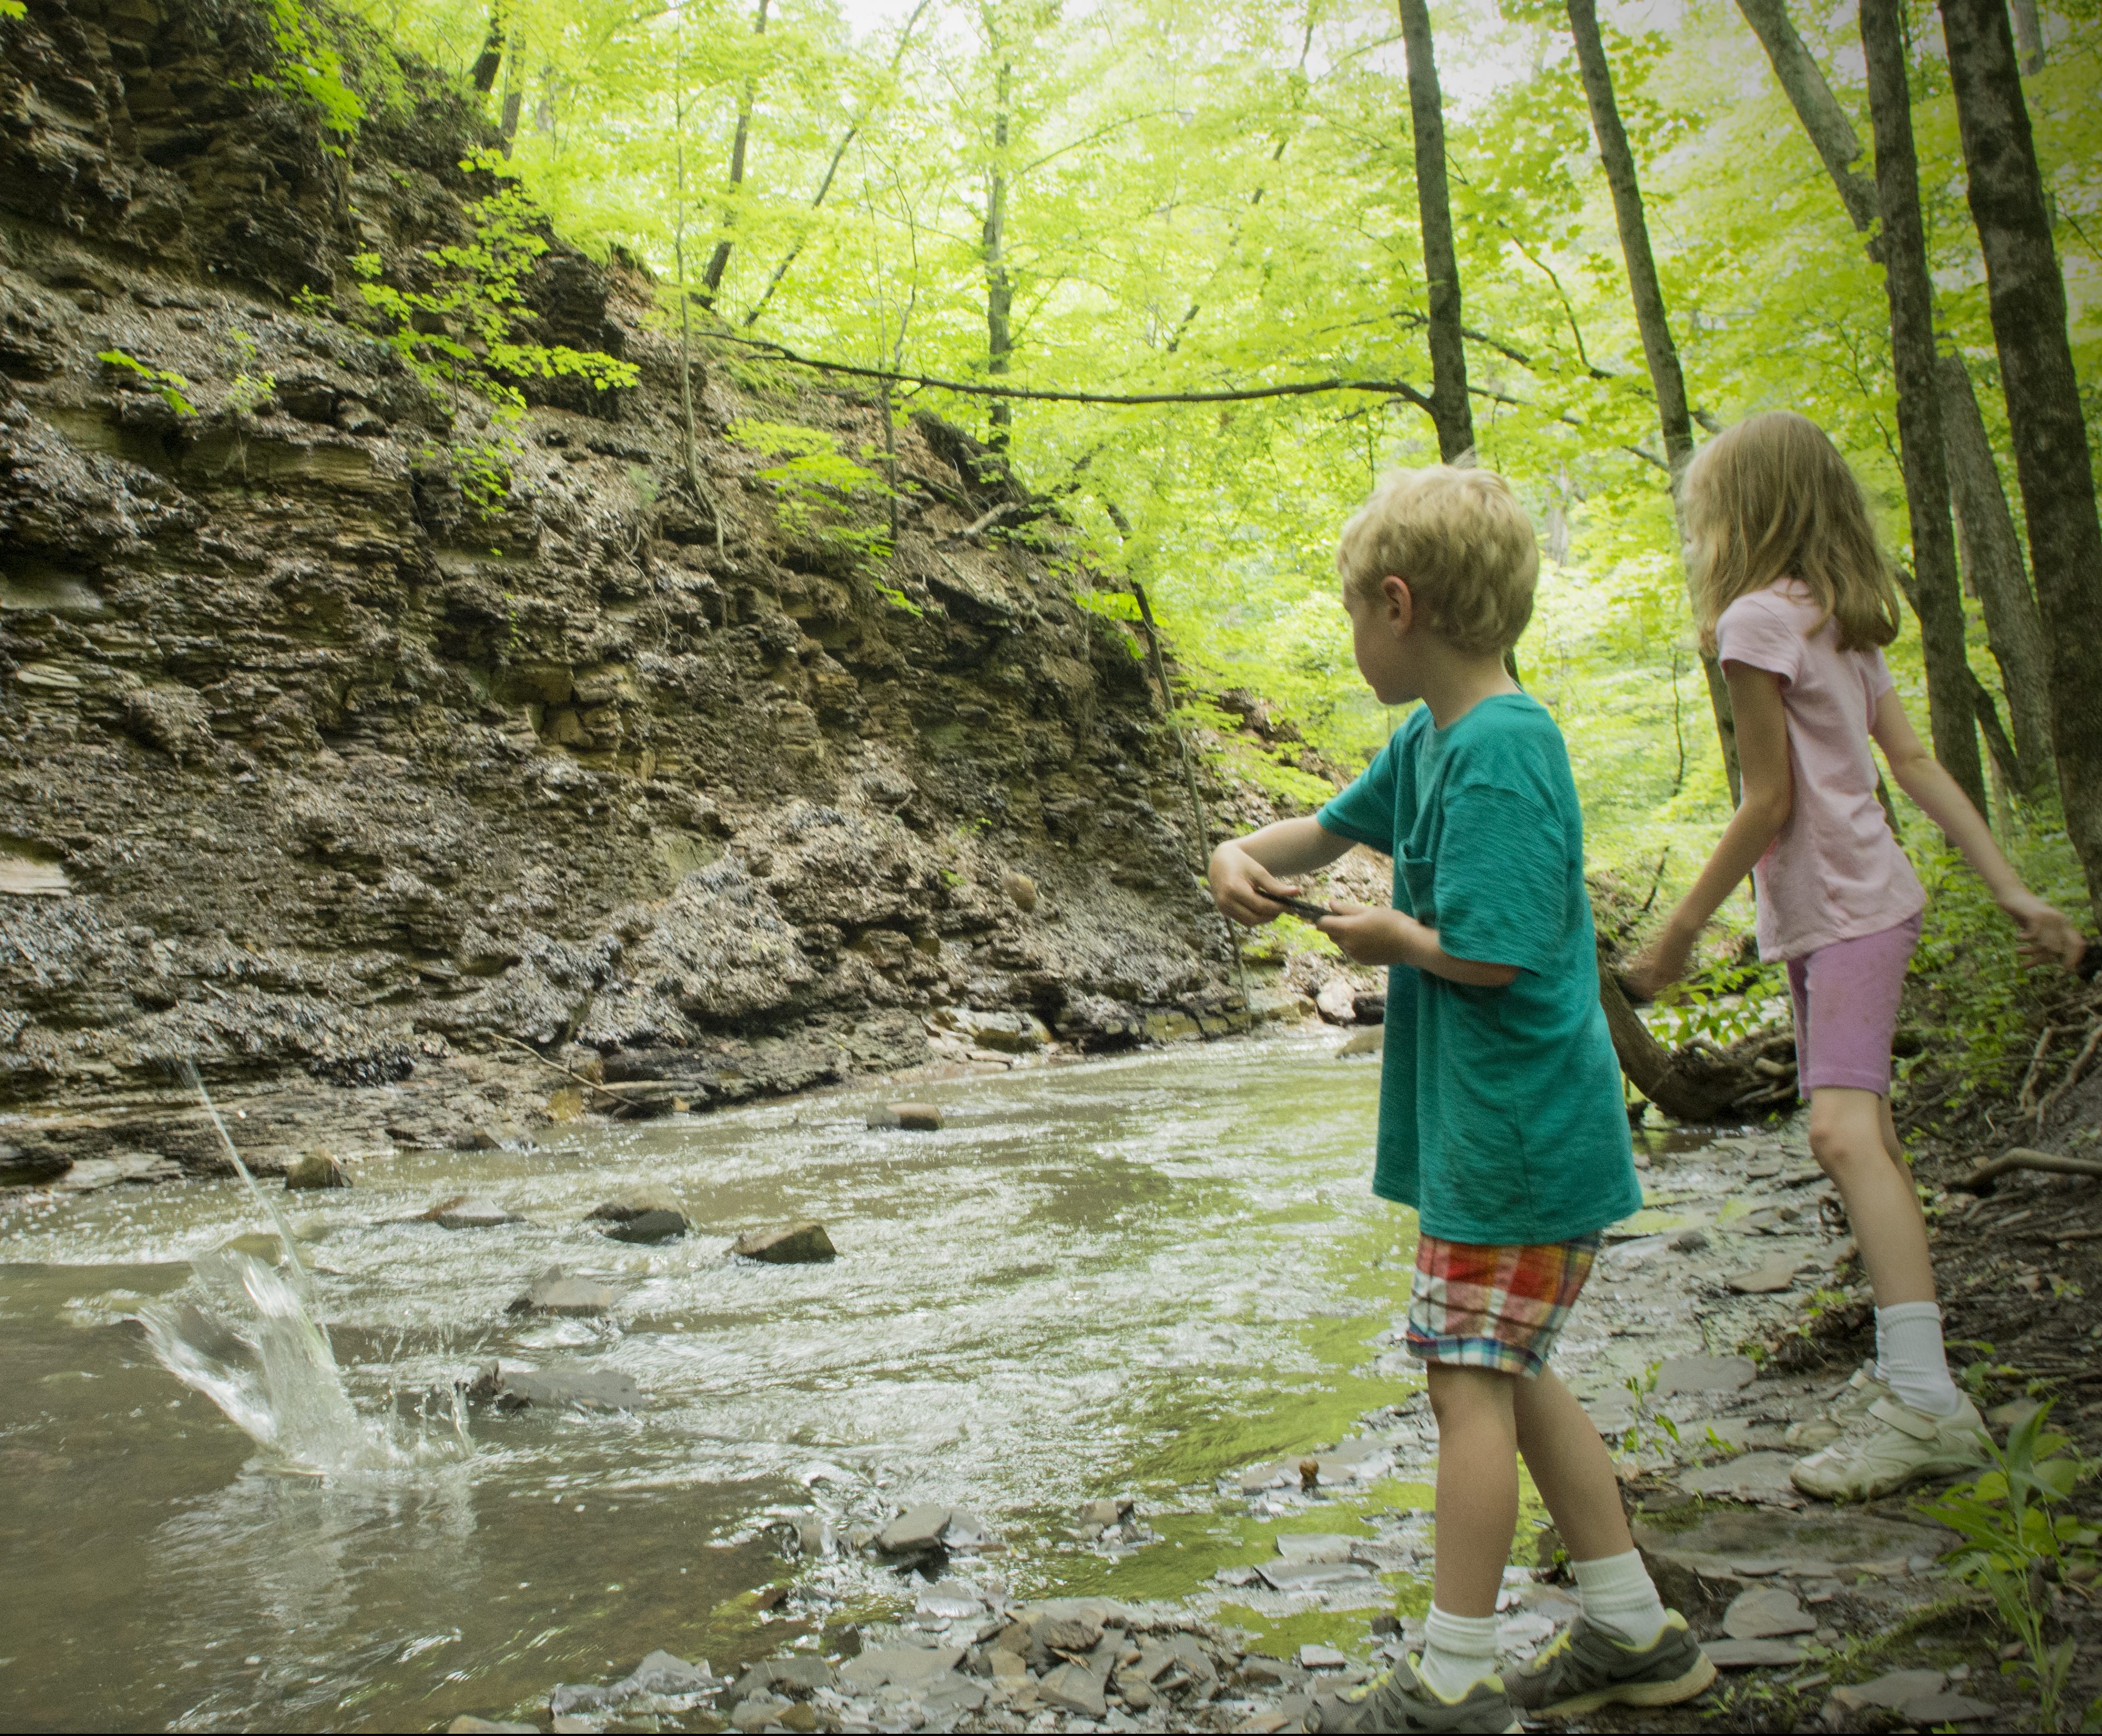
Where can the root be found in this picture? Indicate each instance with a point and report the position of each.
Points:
(1981, 1178)
(2072, 1073)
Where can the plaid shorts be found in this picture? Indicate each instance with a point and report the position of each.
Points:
(1499, 1308)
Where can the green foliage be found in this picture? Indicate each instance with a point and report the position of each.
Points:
(816, 486)
(310, 68)
(173, 388)
(2019, 1535)
(249, 388)
(1647, 1426)
(13, 9)
(1721, 1002)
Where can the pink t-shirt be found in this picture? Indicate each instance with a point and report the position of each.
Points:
(1835, 873)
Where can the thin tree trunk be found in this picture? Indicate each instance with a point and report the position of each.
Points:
(1659, 350)
(1991, 552)
(490, 60)
(1450, 410)
(999, 287)
(702, 493)
(1819, 110)
(2028, 36)
(2027, 296)
(1938, 596)
(719, 260)
(514, 97)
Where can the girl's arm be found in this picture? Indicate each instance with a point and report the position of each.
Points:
(1245, 870)
(1769, 797)
(2045, 934)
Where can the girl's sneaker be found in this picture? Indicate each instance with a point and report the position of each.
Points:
(1891, 1446)
(1401, 1700)
(1848, 1406)
(1587, 1667)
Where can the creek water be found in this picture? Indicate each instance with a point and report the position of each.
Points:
(1134, 1274)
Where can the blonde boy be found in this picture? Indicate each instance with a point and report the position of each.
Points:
(1501, 1117)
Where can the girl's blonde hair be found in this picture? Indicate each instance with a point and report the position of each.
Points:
(1772, 498)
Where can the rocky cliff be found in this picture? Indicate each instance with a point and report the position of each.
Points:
(334, 765)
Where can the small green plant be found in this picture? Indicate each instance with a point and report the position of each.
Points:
(310, 302)
(13, 9)
(249, 387)
(171, 385)
(1720, 1003)
(816, 484)
(1648, 1427)
(2019, 1536)
(310, 69)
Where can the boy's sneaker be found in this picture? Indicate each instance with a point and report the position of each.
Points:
(1401, 1700)
(1847, 1407)
(1891, 1446)
(1587, 1667)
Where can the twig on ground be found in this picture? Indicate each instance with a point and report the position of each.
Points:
(2072, 1073)
(2024, 1104)
(1981, 1178)
(588, 1084)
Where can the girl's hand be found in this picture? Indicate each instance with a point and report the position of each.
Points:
(2045, 934)
(1240, 884)
(1661, 964)
(1369, 935)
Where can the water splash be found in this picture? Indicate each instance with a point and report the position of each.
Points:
(301, 1281)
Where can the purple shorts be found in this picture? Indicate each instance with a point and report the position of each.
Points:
(1846, 998)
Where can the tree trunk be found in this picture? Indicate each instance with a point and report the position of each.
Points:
(999, 287)
(1938, 597)
(1450, 410)
(2028, 36)
(719, 260)
(2028, 299)
(1659, 350)
(490, 60)
(1819, 110)
(1991, 552)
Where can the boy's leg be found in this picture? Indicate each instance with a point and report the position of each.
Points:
(1477, 1519)
(1626, 1648)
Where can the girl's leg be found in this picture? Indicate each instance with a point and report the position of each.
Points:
(1848, 1133)
(1477, 1518)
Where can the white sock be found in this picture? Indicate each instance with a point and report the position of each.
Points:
(1910, 1359)
(1458, 1651)
(1619, 1597)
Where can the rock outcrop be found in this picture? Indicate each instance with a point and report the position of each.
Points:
(318, 772)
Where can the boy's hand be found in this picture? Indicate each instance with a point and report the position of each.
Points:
(2045, 934)
(1369, 935)
(1659, 964)
(1241, 886)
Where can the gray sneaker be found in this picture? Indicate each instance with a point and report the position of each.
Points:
(1847, 1407)
(1400, 1700)
(1587, 1667)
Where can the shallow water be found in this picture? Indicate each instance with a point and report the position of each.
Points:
(1136, 1273)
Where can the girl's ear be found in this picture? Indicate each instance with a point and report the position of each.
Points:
(1401, 604)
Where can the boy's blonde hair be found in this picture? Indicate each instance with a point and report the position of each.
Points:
(1772, 499)
(1461, 542)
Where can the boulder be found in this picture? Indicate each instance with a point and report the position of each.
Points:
(1096, 1517)
(1373, 1042)
(315, 1169)
(1337, 1001)
(561, 1388)
(912, 1118)
(649, 1227)
(1071, 1689)
(460, 1212)
(784, 1678)
(664, 1672)
(1021, 889)
(1371, 1009)
(554, 1292)
(645, 1214)
(916, 1531)
(787, 1245)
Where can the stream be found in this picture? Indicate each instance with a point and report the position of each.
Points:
(1128, 1275)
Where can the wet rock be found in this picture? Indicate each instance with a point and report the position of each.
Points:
(1070, 1688)
(649, 1228)
(1371, 1042)
(665, 1673)
(1919, 1697)
(1371, 1009)
(1762, 1476)
(913, 1117)
(1767, 1279)
(814, 1536)
(561, 1388)
(315, 1169)
(1703, 1373)
(1767, 1612)
(462, 1212)
(918, 1530)
(468, 1725)
(633, 1206)
(913, 1667)
(1315, 1546)
(571, 1697)
(1096, 1517)
(782, 1678)
(1003, 1033)
(787, 1245)
(1687, 1241)
(555, 1292)
(1752, 1654)
(1021, 889)
(1307, 1576)
(1313, 1657)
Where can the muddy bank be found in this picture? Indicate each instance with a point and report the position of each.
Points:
(320, 771)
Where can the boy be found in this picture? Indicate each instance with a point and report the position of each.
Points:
(1501, 1117)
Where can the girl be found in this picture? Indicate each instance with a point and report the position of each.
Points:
(1794, 595)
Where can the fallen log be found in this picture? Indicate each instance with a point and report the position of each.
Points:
(1981, 1178)
(1698, 1082)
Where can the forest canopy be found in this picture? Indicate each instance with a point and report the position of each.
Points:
(1168, 198)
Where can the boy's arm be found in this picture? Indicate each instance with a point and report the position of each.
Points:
(1375, 937)
(1245, 870)
(2045, 934)
(1769, 797)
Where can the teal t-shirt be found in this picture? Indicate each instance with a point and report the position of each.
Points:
(1501, 1117)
